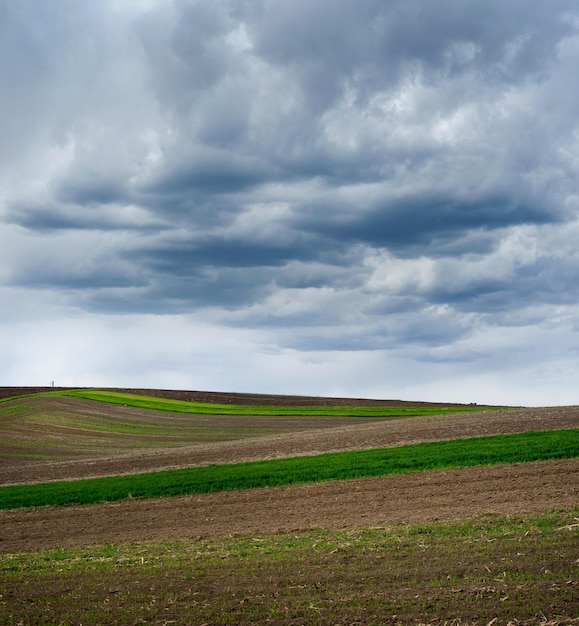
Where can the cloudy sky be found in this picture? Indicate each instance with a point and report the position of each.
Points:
(328, 197)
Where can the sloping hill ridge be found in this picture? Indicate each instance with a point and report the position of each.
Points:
(441, 495)
(247, 399)
(58, 437)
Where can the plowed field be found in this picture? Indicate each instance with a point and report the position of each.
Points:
(412, 498)
(95, 452)
(432, 495)
(330, 553)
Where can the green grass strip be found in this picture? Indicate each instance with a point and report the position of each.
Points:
(516, 448)
(207, 408)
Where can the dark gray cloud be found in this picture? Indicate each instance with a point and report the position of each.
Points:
(411, 224)
(318, 177)
(374, 45)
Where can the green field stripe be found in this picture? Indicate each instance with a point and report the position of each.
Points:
(183, 406)
(515, 448)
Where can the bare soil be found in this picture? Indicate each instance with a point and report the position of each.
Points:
(319, 435)
(411, 498)
(248, 399)
(345, 586)
(432, 495)
(36, 432)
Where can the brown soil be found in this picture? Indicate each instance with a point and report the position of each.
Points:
(38, 431)
(352, 437)
(437, 495)
(373, 501)
(249, 399)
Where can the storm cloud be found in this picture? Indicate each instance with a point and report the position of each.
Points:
(342, 198)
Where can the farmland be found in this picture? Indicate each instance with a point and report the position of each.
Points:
(466, 545)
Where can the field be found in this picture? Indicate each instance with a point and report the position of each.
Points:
(493, 544)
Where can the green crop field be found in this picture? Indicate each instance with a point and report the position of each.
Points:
(85, 424)
(483, 570)
(516, 448)
(181, 406)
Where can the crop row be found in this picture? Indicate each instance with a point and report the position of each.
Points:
(514, 448)
(182, 406)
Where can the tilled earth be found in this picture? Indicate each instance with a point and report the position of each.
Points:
(359, 436)
(437, 495)
(346, 586)
(218, 397)
(411, 498)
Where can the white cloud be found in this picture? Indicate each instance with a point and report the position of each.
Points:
(359, 199)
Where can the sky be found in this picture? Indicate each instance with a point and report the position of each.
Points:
(315, 197)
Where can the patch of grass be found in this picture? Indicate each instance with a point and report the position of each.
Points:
(182, 406)
(515, 448)
(492, 569)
